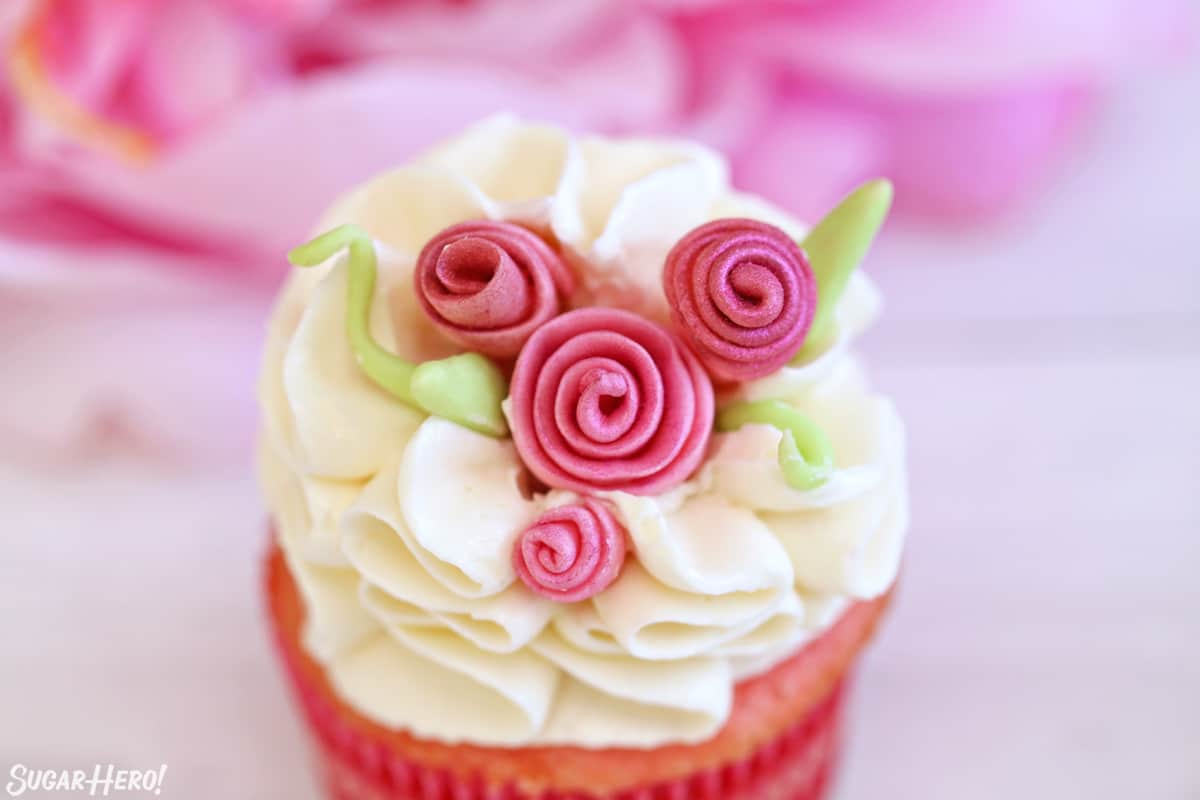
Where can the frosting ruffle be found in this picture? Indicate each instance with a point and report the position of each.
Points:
(400, 528)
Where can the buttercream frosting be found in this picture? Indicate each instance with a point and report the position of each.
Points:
(400, 527)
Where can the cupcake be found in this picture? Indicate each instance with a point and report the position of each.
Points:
(575, 487)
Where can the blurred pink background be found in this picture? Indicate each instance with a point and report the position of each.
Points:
(156, 158)
(1042, 337)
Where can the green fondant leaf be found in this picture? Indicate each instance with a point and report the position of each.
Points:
(835, 247)
(466, 389)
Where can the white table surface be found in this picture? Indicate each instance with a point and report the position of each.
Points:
(1046, 640)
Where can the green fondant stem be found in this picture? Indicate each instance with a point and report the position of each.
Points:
(390, 372)
(805, 452)
(466, 388)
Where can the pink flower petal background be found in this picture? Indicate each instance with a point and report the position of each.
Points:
(156, 159)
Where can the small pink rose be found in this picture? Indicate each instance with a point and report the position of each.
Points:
(743, 293)
(604, 399)
(572, 552)
(489, 285)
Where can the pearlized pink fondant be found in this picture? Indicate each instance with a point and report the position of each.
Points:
(571, 552)
(489, 285)
(745, 295)
(604, 399)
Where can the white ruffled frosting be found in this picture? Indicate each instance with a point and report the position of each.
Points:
(399, 529)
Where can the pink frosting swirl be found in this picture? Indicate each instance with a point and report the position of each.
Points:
(603, 399)
(572, 552)
(745, 295)
(489, 285)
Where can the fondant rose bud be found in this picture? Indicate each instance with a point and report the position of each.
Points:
(489, 285)
(602, 399)
(572, 552)
(743, 293)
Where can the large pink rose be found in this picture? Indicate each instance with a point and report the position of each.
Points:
(605, 400)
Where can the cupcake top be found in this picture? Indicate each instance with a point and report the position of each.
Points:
(563, 438)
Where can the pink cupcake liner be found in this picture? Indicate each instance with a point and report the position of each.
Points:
(797, 765)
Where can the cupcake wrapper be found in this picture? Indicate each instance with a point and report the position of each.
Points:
(795, 766)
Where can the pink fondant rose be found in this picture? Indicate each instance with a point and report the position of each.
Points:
(572, 552)
(745, 295)
(603, 399)
(489, 285)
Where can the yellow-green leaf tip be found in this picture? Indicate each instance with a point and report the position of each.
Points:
(836, 246)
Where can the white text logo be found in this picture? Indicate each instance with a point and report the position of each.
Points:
(101, 781)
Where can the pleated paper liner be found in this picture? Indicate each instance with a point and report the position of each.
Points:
(780, 742)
